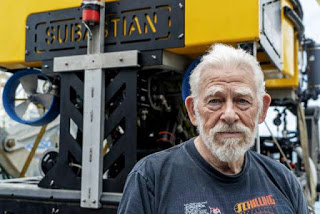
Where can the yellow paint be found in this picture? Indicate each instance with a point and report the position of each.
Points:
(137, 24)
(155, 18)
(289, 83)
(86, 34)
(114, 21)
(131, 29)
(151, 25)
(13, 16)
(78, 33)
(124, 26)
(211, 21)
(289, 54)
(287, 42)
(65, 36)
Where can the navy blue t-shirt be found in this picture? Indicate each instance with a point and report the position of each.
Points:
(179, 180)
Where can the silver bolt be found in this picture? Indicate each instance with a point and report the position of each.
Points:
(154, 56)
(53, 210)
(144, 117)
(57, 211)
(27, 27)
(181, 36)
(84, 200)
(51, 182)
(121, 59)
(94, 201)
(26, 52)
(46, 66)
(143, 98)
(180, 5)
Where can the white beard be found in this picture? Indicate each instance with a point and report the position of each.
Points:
(228, 149)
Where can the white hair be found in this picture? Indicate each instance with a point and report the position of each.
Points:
(227, 57)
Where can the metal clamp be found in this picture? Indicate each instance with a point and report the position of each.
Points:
(295, 19)
(96, 61)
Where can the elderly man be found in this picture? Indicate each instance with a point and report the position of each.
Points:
(216, 172)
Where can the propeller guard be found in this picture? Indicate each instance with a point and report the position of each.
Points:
(9, 99)
(185, 88)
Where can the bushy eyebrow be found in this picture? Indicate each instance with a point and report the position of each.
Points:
(244, 92)
(213, 91)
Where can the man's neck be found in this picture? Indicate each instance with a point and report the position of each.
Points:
(227, 168)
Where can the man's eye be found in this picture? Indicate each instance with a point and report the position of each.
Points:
(215, 101)
(243, 101)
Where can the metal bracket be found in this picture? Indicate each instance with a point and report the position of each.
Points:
(93, 121)
(96, 61)
(27, 188)
(270, 33)
(170, 61)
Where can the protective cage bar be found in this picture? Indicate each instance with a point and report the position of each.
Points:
(61, 185)
(121, 155)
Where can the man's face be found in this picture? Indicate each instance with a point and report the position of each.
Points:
(226, 112)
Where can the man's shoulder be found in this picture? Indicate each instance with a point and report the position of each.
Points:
(273, 169)
(263, 159)
(266, 161)
(159, 160)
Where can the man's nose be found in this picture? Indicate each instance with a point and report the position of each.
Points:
(229, 115)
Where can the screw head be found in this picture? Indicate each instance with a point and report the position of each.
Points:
(46, 66)
(51, 182)
(180, 5)
(11, 143)
(27, 27)
(26, 52)
(94, 201)
(181, 36)
(154, 56)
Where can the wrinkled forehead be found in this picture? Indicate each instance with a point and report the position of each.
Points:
(230, 70)
(233, 77)
(236, 91)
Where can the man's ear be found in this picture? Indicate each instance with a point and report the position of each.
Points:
(266, 103)
(190, 108)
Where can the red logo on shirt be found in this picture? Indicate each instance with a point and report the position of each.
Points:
(215, 211)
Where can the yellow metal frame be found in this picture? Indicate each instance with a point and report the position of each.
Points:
(233, 21)
(212, 21)
(13, 16)
(207, 22)
(288, 49)
(287, 83)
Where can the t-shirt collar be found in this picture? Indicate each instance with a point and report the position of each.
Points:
(195, 155)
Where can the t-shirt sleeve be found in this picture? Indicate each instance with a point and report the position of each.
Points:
(137, 196)
(301, 204)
